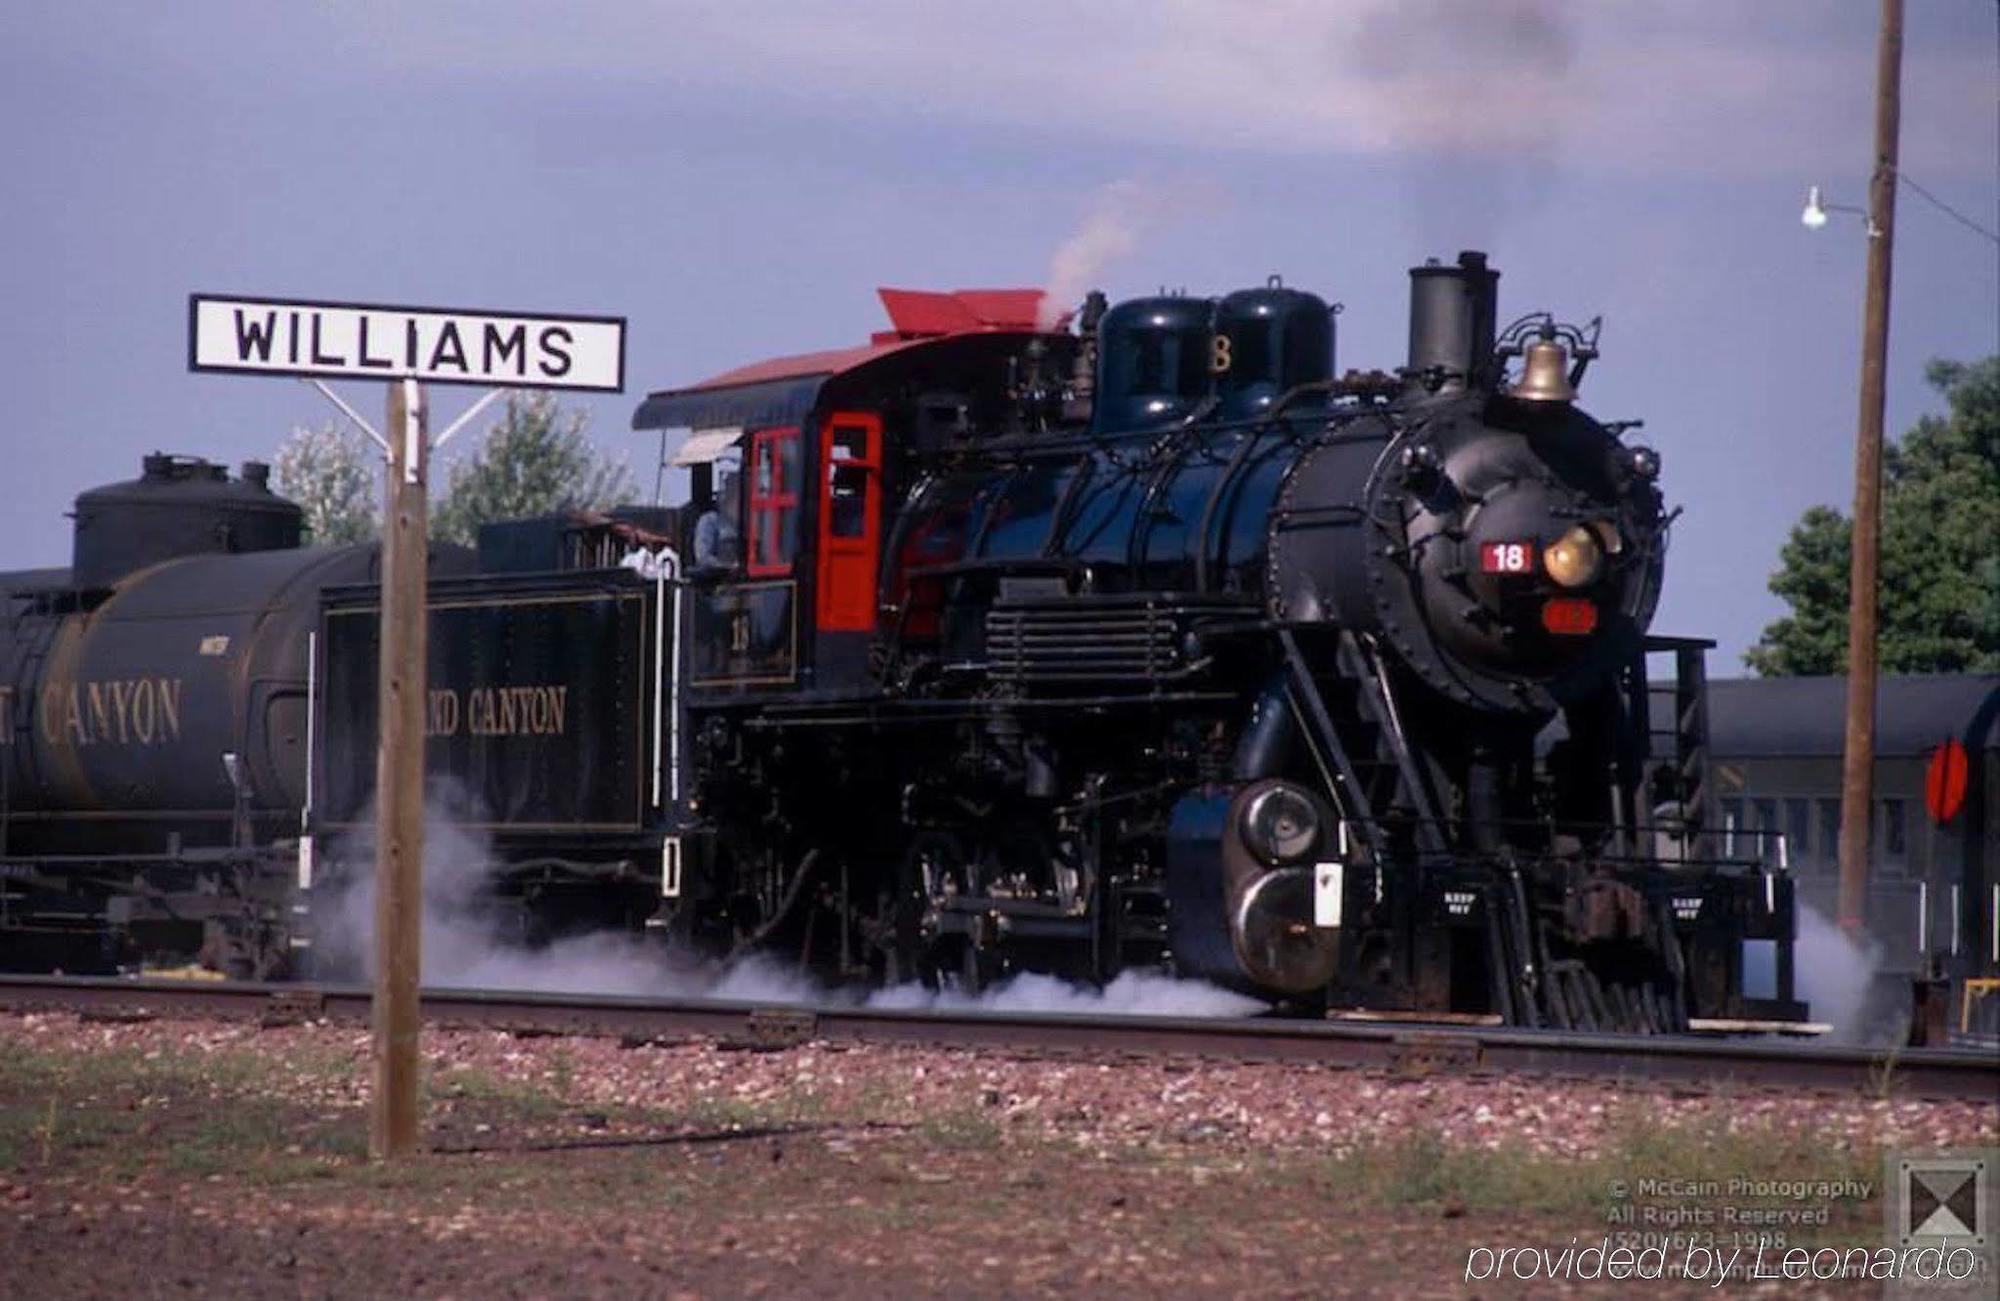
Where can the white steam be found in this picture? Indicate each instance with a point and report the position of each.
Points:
(1119, 215)
(1131, 993)
(466, 945)
(1833, 973)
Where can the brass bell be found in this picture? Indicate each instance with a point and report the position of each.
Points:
(1544, 374)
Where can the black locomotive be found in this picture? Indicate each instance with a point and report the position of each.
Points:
(987, 647)
(1158, 643)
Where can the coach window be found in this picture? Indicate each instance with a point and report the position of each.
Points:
(1829, 832)
(774, 500)
(1798, 833)
(1732, 826)
(1895, 831)
(1767, 828)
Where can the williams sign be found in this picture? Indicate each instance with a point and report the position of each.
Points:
(437, 345)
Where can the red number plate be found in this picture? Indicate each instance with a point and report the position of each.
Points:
(1506, 558)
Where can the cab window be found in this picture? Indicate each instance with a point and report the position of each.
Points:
(774, 500)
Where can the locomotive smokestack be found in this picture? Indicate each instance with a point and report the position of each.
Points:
(1452, 311)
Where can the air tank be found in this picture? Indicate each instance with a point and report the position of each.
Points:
(1269, 341)
(1154, 362)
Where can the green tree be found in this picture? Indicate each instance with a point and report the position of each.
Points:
(1940, 572)
(535, 460)
(331, 473)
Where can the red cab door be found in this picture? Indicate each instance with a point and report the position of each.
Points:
(850, 520)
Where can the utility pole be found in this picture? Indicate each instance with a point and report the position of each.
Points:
(1857, 791)
(399, 778)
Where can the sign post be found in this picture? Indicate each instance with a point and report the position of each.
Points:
(315, 341)
(399, 778)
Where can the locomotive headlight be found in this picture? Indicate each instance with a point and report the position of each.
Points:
(1576, 558)
(1281, 825)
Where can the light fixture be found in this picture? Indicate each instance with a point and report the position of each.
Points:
(1815, 214)
(1817, 207)
(1576, 558)
(1281, 824)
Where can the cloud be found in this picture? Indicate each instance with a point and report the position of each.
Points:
(1620, 87)
(1625, 87)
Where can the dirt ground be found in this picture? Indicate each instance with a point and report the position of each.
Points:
(198, 1159)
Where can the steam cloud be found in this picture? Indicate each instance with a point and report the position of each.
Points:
(1472, 85)
(1833, 974)
(1458, 76)
(465, 947)
(1118, 216)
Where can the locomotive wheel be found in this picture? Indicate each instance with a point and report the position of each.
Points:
(978, 969)
(933, 858)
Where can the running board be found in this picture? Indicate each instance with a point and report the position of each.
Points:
(1749, 1025)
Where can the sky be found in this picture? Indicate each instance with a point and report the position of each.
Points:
(737, 178)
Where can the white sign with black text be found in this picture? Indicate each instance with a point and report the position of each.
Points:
(436, 345)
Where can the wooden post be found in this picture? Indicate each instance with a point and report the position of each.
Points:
(1857, 788)
(399, 780)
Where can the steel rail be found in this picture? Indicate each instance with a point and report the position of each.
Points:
(1404, 1049)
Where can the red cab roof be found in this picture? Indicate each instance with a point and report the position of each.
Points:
(915, 316)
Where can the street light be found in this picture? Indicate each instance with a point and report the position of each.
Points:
(1816, 209)
(1815, 214)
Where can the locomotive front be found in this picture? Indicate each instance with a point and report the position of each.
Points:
(1503, 545)
(1454, 798)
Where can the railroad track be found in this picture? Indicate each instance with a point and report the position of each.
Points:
(1403, 1049)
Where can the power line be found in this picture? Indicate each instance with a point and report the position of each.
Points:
(1947, 209)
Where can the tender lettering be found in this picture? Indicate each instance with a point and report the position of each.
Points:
(497, 711)
(106, 711)
(441, 713)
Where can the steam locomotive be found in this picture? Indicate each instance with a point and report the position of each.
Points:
(1159, 643)
(1142, 640)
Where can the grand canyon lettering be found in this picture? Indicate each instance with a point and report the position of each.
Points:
(103, 711)
(498, 711)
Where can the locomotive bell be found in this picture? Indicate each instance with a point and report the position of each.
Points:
(1544, 374)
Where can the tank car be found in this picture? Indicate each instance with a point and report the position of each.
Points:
(187, 742)
(1159, 644)
(153, 723)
